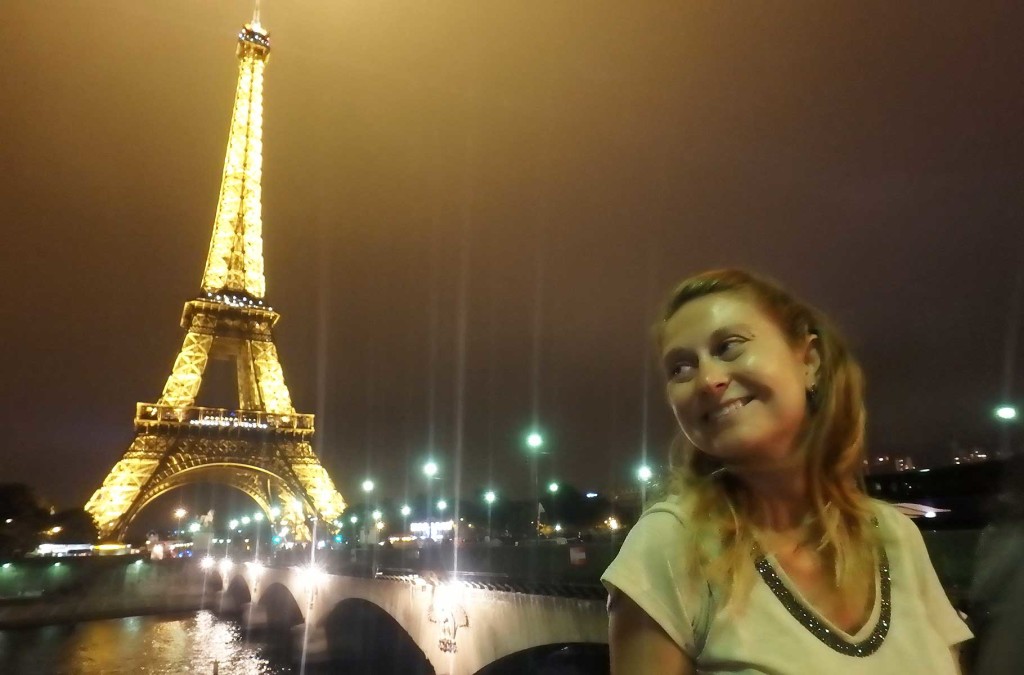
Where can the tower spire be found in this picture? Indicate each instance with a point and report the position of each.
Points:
(235, 261)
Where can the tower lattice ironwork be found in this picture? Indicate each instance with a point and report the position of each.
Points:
(262, 447)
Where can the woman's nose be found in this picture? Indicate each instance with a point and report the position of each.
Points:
(712, 377)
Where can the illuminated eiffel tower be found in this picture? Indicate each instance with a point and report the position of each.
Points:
(263, 446)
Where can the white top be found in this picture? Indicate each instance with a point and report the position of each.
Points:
(765, 638)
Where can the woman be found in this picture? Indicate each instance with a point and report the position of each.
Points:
(768, 557)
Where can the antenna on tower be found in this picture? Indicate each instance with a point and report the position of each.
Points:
(256, 14)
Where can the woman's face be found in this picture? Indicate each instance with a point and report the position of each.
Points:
(736, 384)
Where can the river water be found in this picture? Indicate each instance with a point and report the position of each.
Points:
(176, 645)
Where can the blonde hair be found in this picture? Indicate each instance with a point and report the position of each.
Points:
(831, 443)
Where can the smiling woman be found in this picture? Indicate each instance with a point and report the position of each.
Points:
(768, 556)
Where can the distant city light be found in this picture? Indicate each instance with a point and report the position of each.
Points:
(534, 440)
(193, 527)
(558, 527)
(246, 520)
(1006, 412)
(553, 488)
(376, 514)
(613, 523)
(354, 519)
(207, 563)
(430, 469)
(489, 496)
(275, 512)
(591, 495)
(258, 516)
(367, 485)
(233, 524)
(406, 510)
(644, 473)
(442, 505)
(180, 513)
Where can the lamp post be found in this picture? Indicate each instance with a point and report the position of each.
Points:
(489, 497)
(179, 513)
(644, 475)
(430, 471)
(534, 443)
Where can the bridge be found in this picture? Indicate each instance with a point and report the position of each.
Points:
(425, 620)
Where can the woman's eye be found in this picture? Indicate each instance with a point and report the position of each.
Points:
(730, 347)
(680, 371)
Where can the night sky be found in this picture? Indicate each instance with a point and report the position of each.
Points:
(472, 210)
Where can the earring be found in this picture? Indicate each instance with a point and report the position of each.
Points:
(812, 397)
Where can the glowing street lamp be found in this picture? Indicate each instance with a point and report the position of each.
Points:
(534, 440)
(376, 514)
(258, 516)
(1006, 412)
(193, 527)
(490, 498)
(275, 512)
(406, 510)
(246, 520)
(552, 487)
(179, 513)
(233, 524)
(430, 469)
(367, 486)
(354, 519)
(644, 475)
(442, 505)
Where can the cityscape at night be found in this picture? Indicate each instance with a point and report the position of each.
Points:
(339, 338)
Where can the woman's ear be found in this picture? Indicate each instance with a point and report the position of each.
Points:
(812, 360)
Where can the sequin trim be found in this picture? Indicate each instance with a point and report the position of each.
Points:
(820, 630)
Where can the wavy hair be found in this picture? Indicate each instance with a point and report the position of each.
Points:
(831, 442)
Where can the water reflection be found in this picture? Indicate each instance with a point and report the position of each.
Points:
(183, 644)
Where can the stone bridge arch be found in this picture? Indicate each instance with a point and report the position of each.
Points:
(577, 658)
(281, 608)
(368, 639)
(235, 595)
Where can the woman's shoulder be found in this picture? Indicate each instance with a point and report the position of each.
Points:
(663, 534)
(891, 520)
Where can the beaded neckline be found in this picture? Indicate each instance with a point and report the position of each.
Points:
(820, 629)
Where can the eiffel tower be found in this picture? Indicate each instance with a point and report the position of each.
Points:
(262, 447)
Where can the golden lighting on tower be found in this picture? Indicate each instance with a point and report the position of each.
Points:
(262, 446)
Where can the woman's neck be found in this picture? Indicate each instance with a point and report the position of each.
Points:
(779, 496)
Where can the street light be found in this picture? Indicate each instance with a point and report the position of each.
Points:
(179, 513)
(489, 497)
(644, 475)
(442, 505)
(553, 487)
(354, 519)
(406, 510)
(246, 520)
(367, 486)
(430, 471)
(534, 441)
(377, 514)
(193, 527)
(1006, 412)
(233, 524)
(275, 512)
